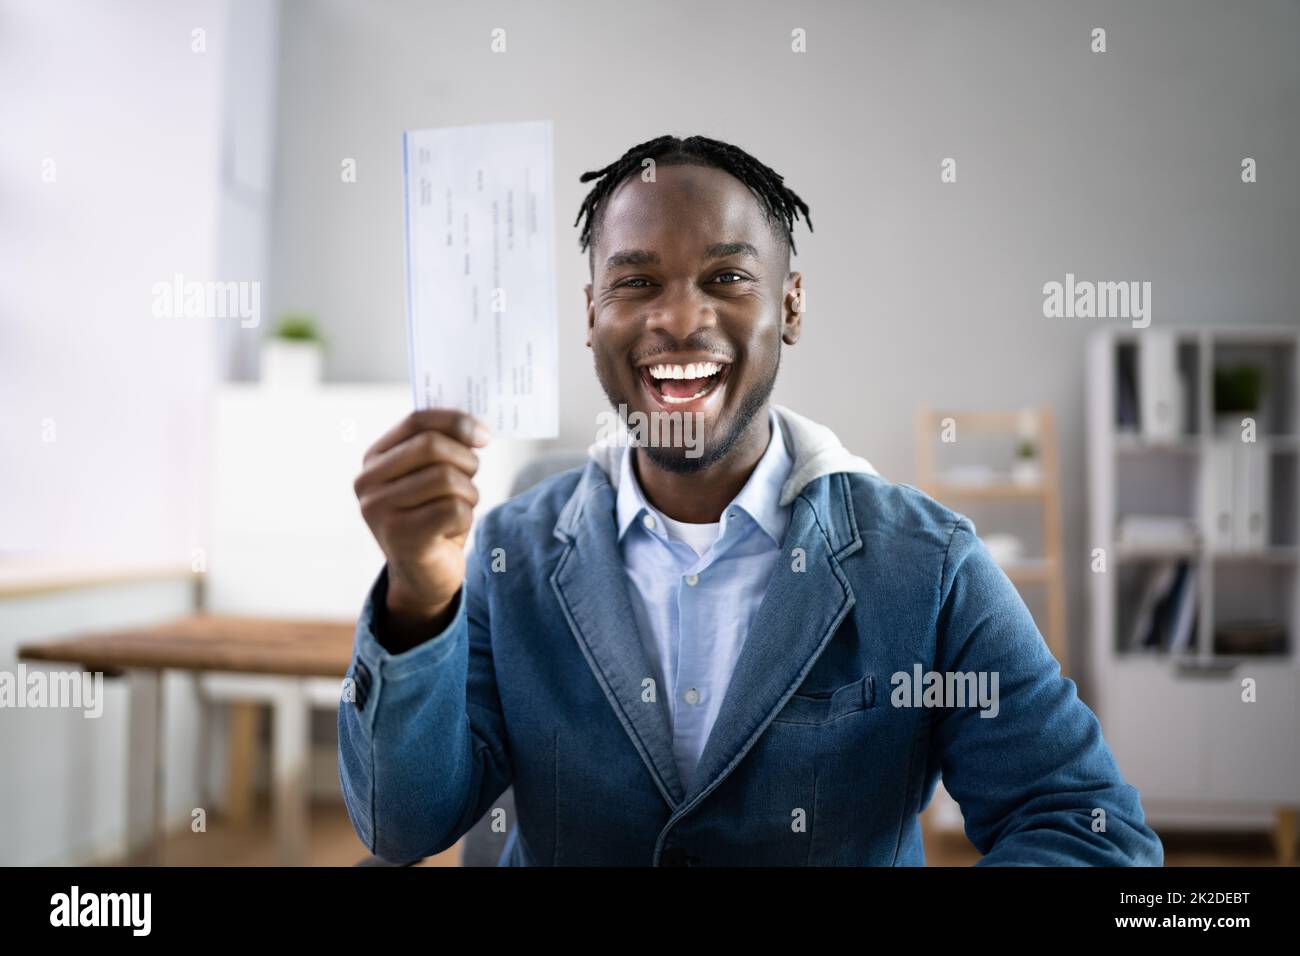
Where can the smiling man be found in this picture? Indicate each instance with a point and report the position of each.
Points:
(704, 653)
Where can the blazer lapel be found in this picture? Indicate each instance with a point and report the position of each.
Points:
(795, 620)
(592, 589)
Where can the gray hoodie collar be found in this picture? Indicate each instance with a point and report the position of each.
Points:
(814, 448)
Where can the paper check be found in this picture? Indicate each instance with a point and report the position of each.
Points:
(480, 274)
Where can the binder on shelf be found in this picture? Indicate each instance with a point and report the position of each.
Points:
(1222, 482)
(1250, 498)
(1158, 385)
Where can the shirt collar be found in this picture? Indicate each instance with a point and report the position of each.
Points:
(760, 498)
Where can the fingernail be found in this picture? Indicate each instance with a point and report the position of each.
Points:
(481, 435)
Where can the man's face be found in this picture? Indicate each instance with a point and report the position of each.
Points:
(687, 271)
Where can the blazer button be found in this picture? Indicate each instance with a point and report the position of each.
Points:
(360, 685)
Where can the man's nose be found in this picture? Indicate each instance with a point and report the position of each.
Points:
(680, 311)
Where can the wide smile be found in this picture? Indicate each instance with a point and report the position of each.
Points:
(689, 387)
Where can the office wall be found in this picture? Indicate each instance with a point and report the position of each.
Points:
(109, 165)
(1123, 165)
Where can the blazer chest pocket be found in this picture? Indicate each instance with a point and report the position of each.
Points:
(823, 706)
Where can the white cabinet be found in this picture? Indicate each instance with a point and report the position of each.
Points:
(1174, 714)
(1250, 750)
(1162, 758)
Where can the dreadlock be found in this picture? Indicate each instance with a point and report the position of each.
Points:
(780, 203)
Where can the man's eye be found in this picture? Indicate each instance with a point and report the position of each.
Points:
(739, 276)
(627, 283)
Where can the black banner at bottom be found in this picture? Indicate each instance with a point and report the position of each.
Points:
(367, 904)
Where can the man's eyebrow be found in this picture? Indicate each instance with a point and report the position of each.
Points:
(632, 257)
(723, 250)
(643, 257)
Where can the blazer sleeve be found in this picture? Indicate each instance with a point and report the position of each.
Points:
(422, 742)
(1035, 779)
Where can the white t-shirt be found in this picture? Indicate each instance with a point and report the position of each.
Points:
(699, 536)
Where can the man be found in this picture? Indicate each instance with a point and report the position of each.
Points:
(713, 653)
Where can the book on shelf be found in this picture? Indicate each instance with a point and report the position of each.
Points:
(1183, 621)
(1126, 402)
(1167, 609)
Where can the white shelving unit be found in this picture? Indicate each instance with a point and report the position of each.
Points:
(1199, 754)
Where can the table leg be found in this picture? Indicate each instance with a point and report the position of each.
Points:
(1284, 835)
(290, 752)
(243, 757)
(144, 778)
(203, 751)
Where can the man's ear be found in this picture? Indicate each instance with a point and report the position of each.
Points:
(792, 309)
(591, 312)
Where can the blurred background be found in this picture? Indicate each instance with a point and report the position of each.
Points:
(176, 507)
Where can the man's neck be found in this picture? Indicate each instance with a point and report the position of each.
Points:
(699, 497)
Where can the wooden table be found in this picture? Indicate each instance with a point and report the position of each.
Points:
(292, 665)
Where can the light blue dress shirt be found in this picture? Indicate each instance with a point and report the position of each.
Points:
(693, 610)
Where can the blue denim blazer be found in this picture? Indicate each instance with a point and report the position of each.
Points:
(540, 682)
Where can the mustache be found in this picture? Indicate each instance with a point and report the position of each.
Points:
(692, 344)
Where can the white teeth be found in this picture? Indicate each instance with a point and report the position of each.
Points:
(694, 370)
(678, 401)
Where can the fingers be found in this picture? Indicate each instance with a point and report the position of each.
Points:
(440, 480)
(414, 453)
(417, 495)
(417, 480)
(444, 517)
(458, 425)
(452, 516)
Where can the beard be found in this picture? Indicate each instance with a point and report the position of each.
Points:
(675, 459)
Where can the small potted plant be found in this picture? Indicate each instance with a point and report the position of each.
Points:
(1026, 470)
(294, 354)
(1237, 394)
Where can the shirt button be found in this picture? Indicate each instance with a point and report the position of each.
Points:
(648, 521)
(692, 697)
(692, 580)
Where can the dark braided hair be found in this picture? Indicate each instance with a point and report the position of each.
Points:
(779, 202)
